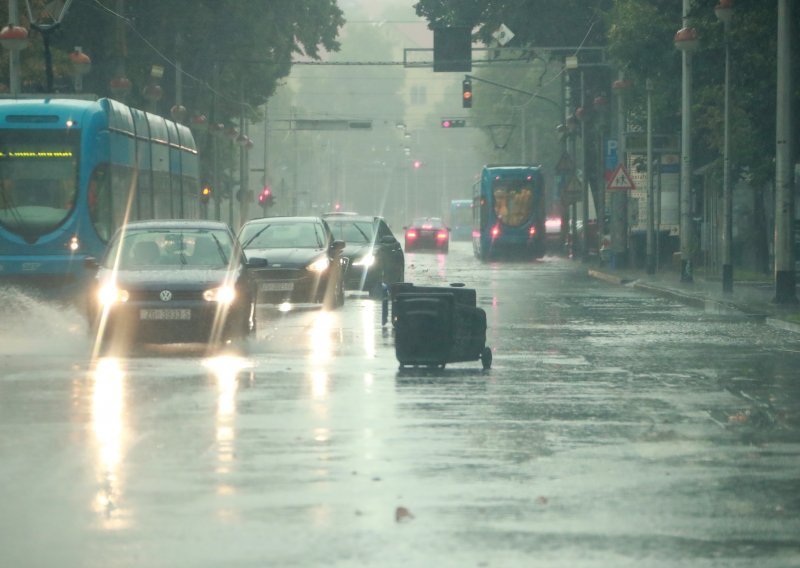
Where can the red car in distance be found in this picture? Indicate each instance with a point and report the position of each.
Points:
(427, 233)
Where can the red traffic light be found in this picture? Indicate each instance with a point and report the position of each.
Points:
(265, 198)
(417, 164)
(453, 123)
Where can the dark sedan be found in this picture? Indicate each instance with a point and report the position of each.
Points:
(427, 233)
(304, 261)
(172, 281)
(374, 255)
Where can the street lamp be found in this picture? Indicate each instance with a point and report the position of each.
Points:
(81, 65)
(686, 41)
(724, 11)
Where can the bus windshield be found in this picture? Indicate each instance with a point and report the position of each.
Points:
(38, 179)
(513, 201)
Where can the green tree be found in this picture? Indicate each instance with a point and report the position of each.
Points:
(250, 43)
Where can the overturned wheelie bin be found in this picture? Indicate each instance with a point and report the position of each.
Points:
(438, 325)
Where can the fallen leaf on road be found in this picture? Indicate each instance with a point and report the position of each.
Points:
(402, 514)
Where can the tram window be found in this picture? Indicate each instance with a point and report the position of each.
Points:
(99, 201)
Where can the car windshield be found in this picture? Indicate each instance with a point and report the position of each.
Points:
(300, 234)
(156, 248)
(356, 232)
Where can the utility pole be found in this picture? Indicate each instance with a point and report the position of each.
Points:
(584, 148)
(650, 265)
(619, 199)
(13, 56)
(686, 148)
(784, 196)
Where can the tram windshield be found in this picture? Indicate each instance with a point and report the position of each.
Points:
(38, 179)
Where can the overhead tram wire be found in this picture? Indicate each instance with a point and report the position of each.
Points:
(167, 60)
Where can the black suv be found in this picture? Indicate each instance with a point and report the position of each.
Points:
(375, 255)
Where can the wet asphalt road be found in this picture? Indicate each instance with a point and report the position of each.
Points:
(614, 429)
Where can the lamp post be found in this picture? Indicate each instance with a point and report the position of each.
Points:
(650, 263)
(14, 38)
(724, 11)
(686, 41)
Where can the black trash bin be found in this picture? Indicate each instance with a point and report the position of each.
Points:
(438, 325)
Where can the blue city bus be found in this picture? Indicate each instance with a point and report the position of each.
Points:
(71, 172)
(460, 221)
(509, 212)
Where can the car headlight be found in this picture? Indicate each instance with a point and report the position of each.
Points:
(320, 265)
(367, 260)
(221, 295)
(109, 294)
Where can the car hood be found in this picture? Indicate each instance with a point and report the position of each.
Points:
(286, 257)
(176, 277)
(356, 250)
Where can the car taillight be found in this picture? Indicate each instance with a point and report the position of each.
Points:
(441, 235)
(411, 235)
(532, 231)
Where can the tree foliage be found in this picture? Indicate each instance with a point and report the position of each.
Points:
(248, 44)
(533, 22)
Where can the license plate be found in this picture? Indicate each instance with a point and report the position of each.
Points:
(183, 314)
(277, 287)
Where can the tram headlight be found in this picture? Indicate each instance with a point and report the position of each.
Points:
(221, 295)
(109, 294)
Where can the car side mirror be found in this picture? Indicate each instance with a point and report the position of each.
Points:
(256, 263)
(388, 240)
(90, 263)
(337, 246)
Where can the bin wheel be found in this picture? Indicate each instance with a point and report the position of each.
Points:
(486, 358)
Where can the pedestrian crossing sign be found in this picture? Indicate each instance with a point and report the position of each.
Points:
(620, 180)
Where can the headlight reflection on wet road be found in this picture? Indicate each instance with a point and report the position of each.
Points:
(226, 370)
(108, 410)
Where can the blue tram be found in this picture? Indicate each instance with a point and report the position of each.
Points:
(71, 172)
(509, 212)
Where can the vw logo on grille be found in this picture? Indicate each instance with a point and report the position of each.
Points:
(165, 295)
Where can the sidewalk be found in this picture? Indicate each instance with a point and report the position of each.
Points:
(750, 299)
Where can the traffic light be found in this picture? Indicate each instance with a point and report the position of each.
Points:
(466, 93)
(453, 123)
(205, 193)
(265, 198)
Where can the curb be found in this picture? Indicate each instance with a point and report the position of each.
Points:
(784, 325)
(701, 302)
(610, 278)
